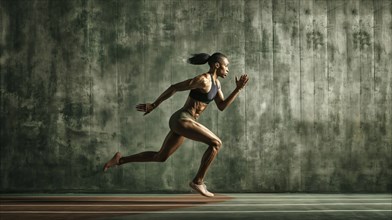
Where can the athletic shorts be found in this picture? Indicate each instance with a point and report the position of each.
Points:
(180, 115)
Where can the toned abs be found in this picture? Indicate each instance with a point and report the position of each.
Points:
(194, 107)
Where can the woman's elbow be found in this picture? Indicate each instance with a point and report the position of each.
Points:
(173, 88)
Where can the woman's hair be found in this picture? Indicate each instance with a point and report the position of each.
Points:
(202, 58)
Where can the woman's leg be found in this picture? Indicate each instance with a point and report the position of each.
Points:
(196, 131)
(172, 142)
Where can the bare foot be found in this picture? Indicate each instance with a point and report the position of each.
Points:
(114, 161)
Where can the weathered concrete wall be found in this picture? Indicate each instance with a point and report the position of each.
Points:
(315, 117)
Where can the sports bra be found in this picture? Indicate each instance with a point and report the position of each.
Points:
(205, 97)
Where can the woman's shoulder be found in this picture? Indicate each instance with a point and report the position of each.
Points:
(205, 77)
(201, 79)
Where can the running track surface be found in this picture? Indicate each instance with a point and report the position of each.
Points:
(192, 206)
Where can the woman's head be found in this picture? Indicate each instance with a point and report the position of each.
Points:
(218, 62)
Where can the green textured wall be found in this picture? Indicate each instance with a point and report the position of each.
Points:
(315, 117)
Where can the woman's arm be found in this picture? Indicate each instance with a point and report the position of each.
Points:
(223, 103)
(197, 82)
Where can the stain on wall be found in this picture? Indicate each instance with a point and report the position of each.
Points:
(315, 117)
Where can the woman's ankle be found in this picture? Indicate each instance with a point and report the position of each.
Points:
(197, 181)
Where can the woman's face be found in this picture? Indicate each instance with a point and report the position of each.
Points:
(223, 69)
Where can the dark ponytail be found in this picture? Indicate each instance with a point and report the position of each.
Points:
(199, 58)
(203, 58)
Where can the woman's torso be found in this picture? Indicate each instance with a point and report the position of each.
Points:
(194, 107)
(198, 99)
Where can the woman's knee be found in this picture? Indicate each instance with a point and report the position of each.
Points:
(160, 157)
(216, 143)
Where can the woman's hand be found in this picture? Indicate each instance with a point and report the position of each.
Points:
(242, 81)
(147, 107)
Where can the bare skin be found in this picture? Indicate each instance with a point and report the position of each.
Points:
(188, 128)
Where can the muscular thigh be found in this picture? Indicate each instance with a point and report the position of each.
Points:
(195, 131)
(172, 142)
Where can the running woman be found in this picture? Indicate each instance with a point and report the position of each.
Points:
(204, 88)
